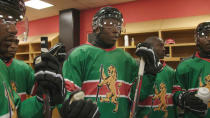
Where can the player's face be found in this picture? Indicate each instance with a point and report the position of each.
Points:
(12, 49)
(111, 30)
(8, 33)
(159, 48)
(204, 42)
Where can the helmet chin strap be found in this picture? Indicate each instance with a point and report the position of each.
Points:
(99, 43)
(203, 53)
(5, 59)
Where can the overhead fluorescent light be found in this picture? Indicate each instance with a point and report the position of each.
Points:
(38, 4)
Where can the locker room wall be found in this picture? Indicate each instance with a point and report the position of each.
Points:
(137, 11)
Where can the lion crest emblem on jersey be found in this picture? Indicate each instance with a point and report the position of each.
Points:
(110, 82)
(161, 96)
(207, 85)
(13, 111)
(13, 85)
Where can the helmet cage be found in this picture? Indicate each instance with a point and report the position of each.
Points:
(13, 8)
(203, 30)
(105, 13)
(13, 12)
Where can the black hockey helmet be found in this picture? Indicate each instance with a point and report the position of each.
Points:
(14, 8)
(104, 13)
(12, 12)
(202, 30)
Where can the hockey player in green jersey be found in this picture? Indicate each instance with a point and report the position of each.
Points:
(11, 12)
(192, 74)
(156, 93)
(11, 105)
(47, 73)
(21, 74)
(105, 74)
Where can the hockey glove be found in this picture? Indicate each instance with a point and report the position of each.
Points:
(49, 79)
(189, 102)
(77, 107)
(152, 64)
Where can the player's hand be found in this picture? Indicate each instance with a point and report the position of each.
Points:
(152, 64)
(77, 107)
(49, 79)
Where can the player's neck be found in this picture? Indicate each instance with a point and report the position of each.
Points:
(5, 59)
(204, 54)
(100, 44)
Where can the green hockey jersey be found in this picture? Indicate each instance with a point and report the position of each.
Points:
(113, 71)
(11, 106)
(190, 75)
(156, 100)
(7, 100)
(21, 78)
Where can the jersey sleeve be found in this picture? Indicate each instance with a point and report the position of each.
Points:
(147, 86)
(180, 81)
(147, 82)
(30, 108)
(30, 80)
(133, 75)
(73, 70)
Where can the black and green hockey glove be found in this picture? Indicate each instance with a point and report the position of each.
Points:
(190, 103)
(49, 79)
(76, 107)
(152, 64)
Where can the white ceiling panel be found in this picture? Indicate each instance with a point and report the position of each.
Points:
(34, 14)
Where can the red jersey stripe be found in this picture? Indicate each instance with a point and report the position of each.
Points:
(23, 96)
(148, 101)
(176, 88)
(70, 86)
(90, 88)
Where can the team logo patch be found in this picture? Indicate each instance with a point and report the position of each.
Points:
(207, 85)
(12, 108)
(161, 96)
(13, 85)
(110, 82)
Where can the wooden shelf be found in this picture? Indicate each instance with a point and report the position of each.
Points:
(23, 48)
(26, 61)
(21, 53)
(127, 47)
(28, 50)
(181, 44)
(181, 30)
(138, 37)
(171, 59)
(36, 52)
(121, 47)
(23, 43)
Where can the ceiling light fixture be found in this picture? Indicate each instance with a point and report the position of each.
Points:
(38, 4)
